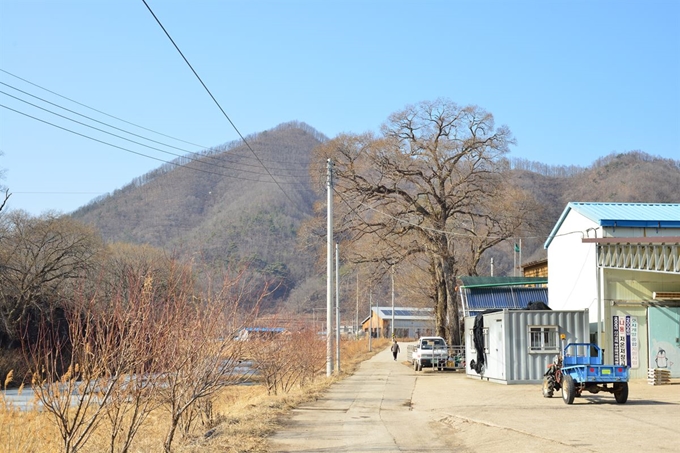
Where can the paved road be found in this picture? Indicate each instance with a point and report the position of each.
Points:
(387, 407)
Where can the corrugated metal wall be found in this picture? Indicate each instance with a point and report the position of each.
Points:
(509, 360)
(523, 366)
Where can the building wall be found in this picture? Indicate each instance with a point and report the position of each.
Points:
(572, 271)
(664, 339)
(509, 359)
(409, 328)
(624, 292)
(536, 270)
(640, 232)
(572, 274)
(632, 285)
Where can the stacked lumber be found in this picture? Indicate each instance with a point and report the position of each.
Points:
(658, 376)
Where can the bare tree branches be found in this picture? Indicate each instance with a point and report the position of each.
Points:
(39, 257)
(287, 360)
(429, 186)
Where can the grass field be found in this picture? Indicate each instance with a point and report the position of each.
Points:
(239, 419)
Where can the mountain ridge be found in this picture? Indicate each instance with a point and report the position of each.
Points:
(222, 208)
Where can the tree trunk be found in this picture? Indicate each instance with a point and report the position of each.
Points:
(447, 315)
(440, 303)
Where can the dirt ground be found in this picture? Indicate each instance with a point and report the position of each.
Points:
(387, 407)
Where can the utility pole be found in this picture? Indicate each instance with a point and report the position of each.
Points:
(370, 319)
(519, 264)
(329, 268)
(337, 309)
(392, 273)
(356, 313)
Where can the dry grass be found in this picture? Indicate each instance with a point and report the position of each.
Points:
(26, 431)
(242, 418)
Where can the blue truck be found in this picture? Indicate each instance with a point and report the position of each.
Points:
(578, 370)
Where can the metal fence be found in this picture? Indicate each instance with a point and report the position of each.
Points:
(455, 356)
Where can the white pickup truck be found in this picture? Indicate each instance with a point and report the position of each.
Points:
(430, 352)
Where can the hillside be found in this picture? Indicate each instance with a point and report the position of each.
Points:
(633, 177)
(222, 208)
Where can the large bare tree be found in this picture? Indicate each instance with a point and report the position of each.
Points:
(427, 191)
(40, 257)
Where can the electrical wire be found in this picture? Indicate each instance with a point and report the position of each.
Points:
(99, 111)
(215, 100)
(133, 141)
(142, 154)
(205, 156)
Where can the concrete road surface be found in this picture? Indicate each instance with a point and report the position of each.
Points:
(387, 407)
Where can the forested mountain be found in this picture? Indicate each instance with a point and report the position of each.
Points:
(632, 177)
(221, 207)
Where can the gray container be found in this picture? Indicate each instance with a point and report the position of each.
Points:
(520, 344)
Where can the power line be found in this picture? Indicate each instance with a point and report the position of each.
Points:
(207, 156)
(141, 154)
(88, 117)
(215, 100)
(130, 140)
(231, 156)
(99, 111)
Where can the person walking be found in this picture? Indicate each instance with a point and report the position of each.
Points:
(395, 349)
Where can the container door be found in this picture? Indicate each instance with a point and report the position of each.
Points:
(500, 342)
(664, 339)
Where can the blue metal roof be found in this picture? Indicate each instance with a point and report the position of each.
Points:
(265, 329)
(476, 300)
(405, 313)
(635, 215)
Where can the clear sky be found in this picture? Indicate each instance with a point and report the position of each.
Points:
(574, 80)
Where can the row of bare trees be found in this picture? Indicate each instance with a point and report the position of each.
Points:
(110, 333)
(144, 350)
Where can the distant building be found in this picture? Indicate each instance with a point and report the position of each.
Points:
(537, 268)
(259, 333)
(408, 322)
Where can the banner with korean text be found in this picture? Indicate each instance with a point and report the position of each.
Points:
(625, 341)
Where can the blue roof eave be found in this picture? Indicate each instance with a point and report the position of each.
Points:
(640, 223)
(557, 226)
(584, 208)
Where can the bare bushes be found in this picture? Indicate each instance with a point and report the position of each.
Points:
(288, 360)
(201, 356)
(114, 360)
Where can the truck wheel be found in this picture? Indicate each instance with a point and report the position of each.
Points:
(568, 389)
(415, 366)
(621, 392)
(548, 386)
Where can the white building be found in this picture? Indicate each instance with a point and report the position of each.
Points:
(621, 261)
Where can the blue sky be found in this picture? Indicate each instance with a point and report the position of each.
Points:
(573, 80)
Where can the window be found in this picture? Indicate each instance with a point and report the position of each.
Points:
(543, 339)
